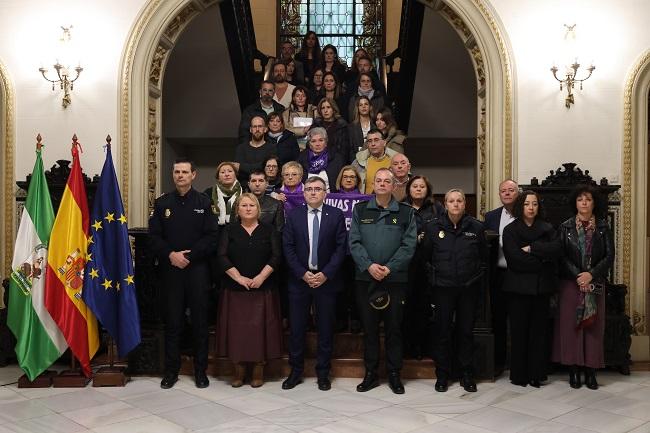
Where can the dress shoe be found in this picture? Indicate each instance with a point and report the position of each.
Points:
(294, 379)
(169, 380)
(238, 375)
(201, 380)
(590, 378)
(395, 383)
(257, 378)
(370, 381)
(442, 384)
(468, 383)
(324, 384)
(535, 383)
(574, 378)
(519, 383)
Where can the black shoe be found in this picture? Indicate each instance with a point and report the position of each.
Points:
(468, 383)
(535, 383)
(442, 384)
(574, 378)
(324, 384)
(519, 383)
(294, 379)
(395, 383)
(590, 378)
(201, 380)
(169, 380)
(370, 381)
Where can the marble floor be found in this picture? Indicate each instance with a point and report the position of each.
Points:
(622, 404)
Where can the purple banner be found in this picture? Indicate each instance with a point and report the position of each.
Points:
(345, 202)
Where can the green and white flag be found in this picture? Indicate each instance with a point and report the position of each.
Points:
(40, 342)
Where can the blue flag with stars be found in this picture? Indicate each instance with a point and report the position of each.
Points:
(108, 288)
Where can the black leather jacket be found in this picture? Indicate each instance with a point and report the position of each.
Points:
(272, 212)
(602, 251)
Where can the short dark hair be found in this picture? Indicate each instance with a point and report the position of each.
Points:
(267, 82)
(314, 179)
(270, 157)
(185, 160)
(518, 208)
(428, 198)
(600, 201)
(257, 172)
(273, 115)
(375, 130)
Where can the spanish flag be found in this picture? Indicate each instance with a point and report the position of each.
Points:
(65, 269)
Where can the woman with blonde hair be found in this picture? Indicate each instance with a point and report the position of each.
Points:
(292, 174)
(249, 329)
(348, 180)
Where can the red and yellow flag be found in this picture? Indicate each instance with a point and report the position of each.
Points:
(65, 271)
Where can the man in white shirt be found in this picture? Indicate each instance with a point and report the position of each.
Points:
(283, 90)
(496, 220)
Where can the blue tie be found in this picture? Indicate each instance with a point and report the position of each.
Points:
(314, 240)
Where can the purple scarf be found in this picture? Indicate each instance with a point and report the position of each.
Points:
(317, 163)
(285, 190)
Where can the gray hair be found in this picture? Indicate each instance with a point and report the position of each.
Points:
(387, 170)
(314, 179)
(317, 131)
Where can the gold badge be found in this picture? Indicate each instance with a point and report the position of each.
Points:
(214, 209)
(441, 234)
(168, 213)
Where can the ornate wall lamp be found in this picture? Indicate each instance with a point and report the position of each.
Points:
(571, 72)
(63, 68)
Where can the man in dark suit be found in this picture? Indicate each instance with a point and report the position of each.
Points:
(314, 242)
(496, 220)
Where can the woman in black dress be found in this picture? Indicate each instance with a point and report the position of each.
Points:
(249, 328)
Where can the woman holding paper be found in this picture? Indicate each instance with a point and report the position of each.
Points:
(299, 116)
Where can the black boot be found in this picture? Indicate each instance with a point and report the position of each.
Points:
(467, 382)
(370, 381)
(590, 378)
(574, 377)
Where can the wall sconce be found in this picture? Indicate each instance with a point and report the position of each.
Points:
(571, 72)
(63, 68)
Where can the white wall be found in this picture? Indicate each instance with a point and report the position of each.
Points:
(28, 30)
(613, 34)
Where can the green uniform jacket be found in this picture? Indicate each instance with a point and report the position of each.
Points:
(384, 236)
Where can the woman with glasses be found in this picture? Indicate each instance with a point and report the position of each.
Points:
(291, 181)
(271, 167)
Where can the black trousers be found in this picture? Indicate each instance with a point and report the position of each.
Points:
(450, 303)
(189, 287)
(346, 303)
(392, 317)
(499, 309)
(528, 336)
(417, 313)
(299, 309)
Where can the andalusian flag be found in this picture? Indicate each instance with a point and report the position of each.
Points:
(65, 270)
(40, 342)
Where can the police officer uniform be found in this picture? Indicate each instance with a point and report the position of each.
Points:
(456, 259)
(386, 236)
(177, 223)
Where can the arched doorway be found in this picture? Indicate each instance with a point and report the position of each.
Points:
(7, 133)
(159, 24)
(636, 190)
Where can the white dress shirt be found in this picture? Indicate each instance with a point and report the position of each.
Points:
(310, 228)
(506, 218)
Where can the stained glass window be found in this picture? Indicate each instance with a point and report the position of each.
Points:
(346, 24)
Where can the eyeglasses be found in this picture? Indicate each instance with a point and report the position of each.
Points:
(270, 166)
(316, 189)
(349, 177)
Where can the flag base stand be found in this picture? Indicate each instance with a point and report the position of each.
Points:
(110, 376)
(43, 380)
(70, 379)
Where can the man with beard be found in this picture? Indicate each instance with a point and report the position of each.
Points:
(272, 210)
(250, 156)
(283, 90)
(262, 107)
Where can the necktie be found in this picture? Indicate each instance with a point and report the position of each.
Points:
(314, 240)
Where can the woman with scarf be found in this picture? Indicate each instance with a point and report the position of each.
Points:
(531, 247)
(225, 192)
(365, 88)
(318, 160)
(419, 194)
(329, 117)
(291, 181)
(271, 167)
(362, 122)
(299, 108)
(588, 256)
(385, 122)
(284, 140)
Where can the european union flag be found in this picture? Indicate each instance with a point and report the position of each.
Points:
(108, 287)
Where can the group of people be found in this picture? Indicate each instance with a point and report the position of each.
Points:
(405, 259)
